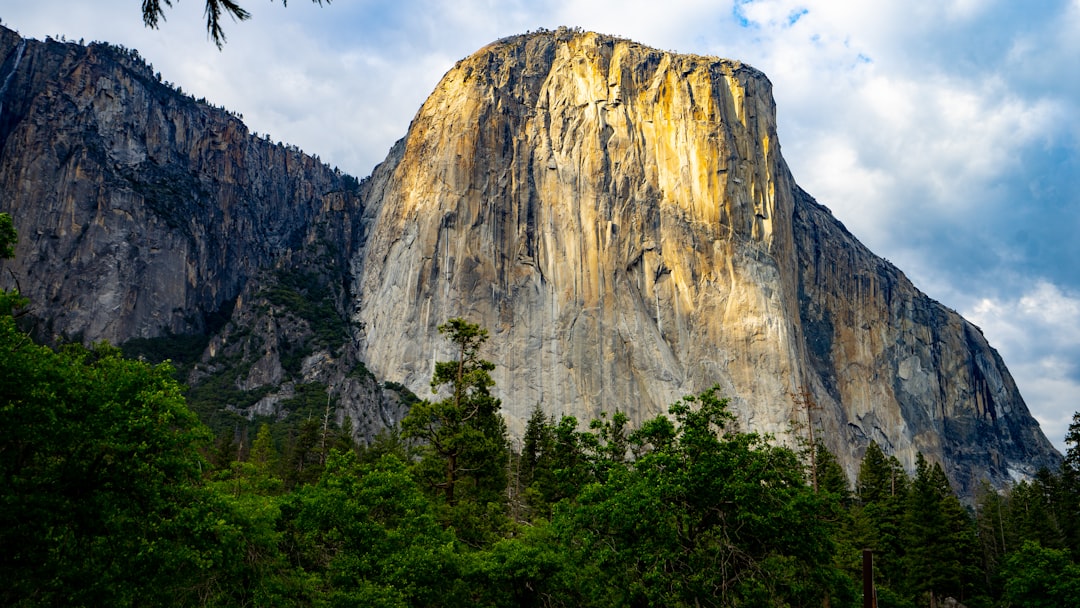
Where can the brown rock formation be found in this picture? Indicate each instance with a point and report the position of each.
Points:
(144, 213)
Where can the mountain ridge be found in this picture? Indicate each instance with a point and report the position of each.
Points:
(702, 262)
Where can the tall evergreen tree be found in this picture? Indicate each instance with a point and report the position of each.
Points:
(1068, 503)
(878, 516)
(1032, 516)
(941, 544)
(991, 515)
(537, 474)
(464, 435)
(830, 475)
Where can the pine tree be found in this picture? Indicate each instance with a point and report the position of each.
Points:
(941, 557)
(878, 517)
(830, 475)
(465, 437)
(1068, 500)
(537, 475)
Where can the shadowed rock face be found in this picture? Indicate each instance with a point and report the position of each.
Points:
(619, 218)
(143, 213)
(622, 221)
(139, 209)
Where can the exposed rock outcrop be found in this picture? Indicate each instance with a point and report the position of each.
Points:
(143, 214)
(622, 220)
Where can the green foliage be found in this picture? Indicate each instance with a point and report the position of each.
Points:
(940, 538)
(217, 394)
(536, 471)
(830, 475)
(701, 518)
(1038, 577)
(310, 298)
(10, 301)
(878, 518)
(369, 537)
(1067, 497)
(408, 398)
(105, 499)
(100, 494)
(181, 350)
(8, 237)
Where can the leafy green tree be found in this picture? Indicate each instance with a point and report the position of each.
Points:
(368, 536)
(153, 12)
(611, 442)
(8, 237)
(1039, 577)
(570, 463)
(10, 301)
(101, 500)
(702, 518)
(386, 443)
(531, 569)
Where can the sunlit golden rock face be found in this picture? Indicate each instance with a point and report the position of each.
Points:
(622, 221)
(619, 218)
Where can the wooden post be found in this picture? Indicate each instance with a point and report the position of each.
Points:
(869, 599)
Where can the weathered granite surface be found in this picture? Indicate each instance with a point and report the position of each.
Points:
(623, 222)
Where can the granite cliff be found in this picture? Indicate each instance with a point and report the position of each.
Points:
(623, 222)
(620, 218)
(154, 220)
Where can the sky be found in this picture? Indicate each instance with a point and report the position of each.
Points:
(945, 134)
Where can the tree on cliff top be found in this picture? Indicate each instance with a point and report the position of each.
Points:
(154, 12)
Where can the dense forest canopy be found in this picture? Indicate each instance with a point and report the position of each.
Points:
(112, 492)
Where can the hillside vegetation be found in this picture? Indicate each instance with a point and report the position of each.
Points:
(112, 493)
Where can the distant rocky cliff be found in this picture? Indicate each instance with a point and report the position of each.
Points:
(145, 214)
(620, 218)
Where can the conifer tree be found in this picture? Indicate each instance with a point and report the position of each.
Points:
(1068, 502)
(830, 475)
(537, 460)
(464, 437)
(878, 518)
(940, 539)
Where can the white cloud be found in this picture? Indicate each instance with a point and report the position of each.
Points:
(1038, 335)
